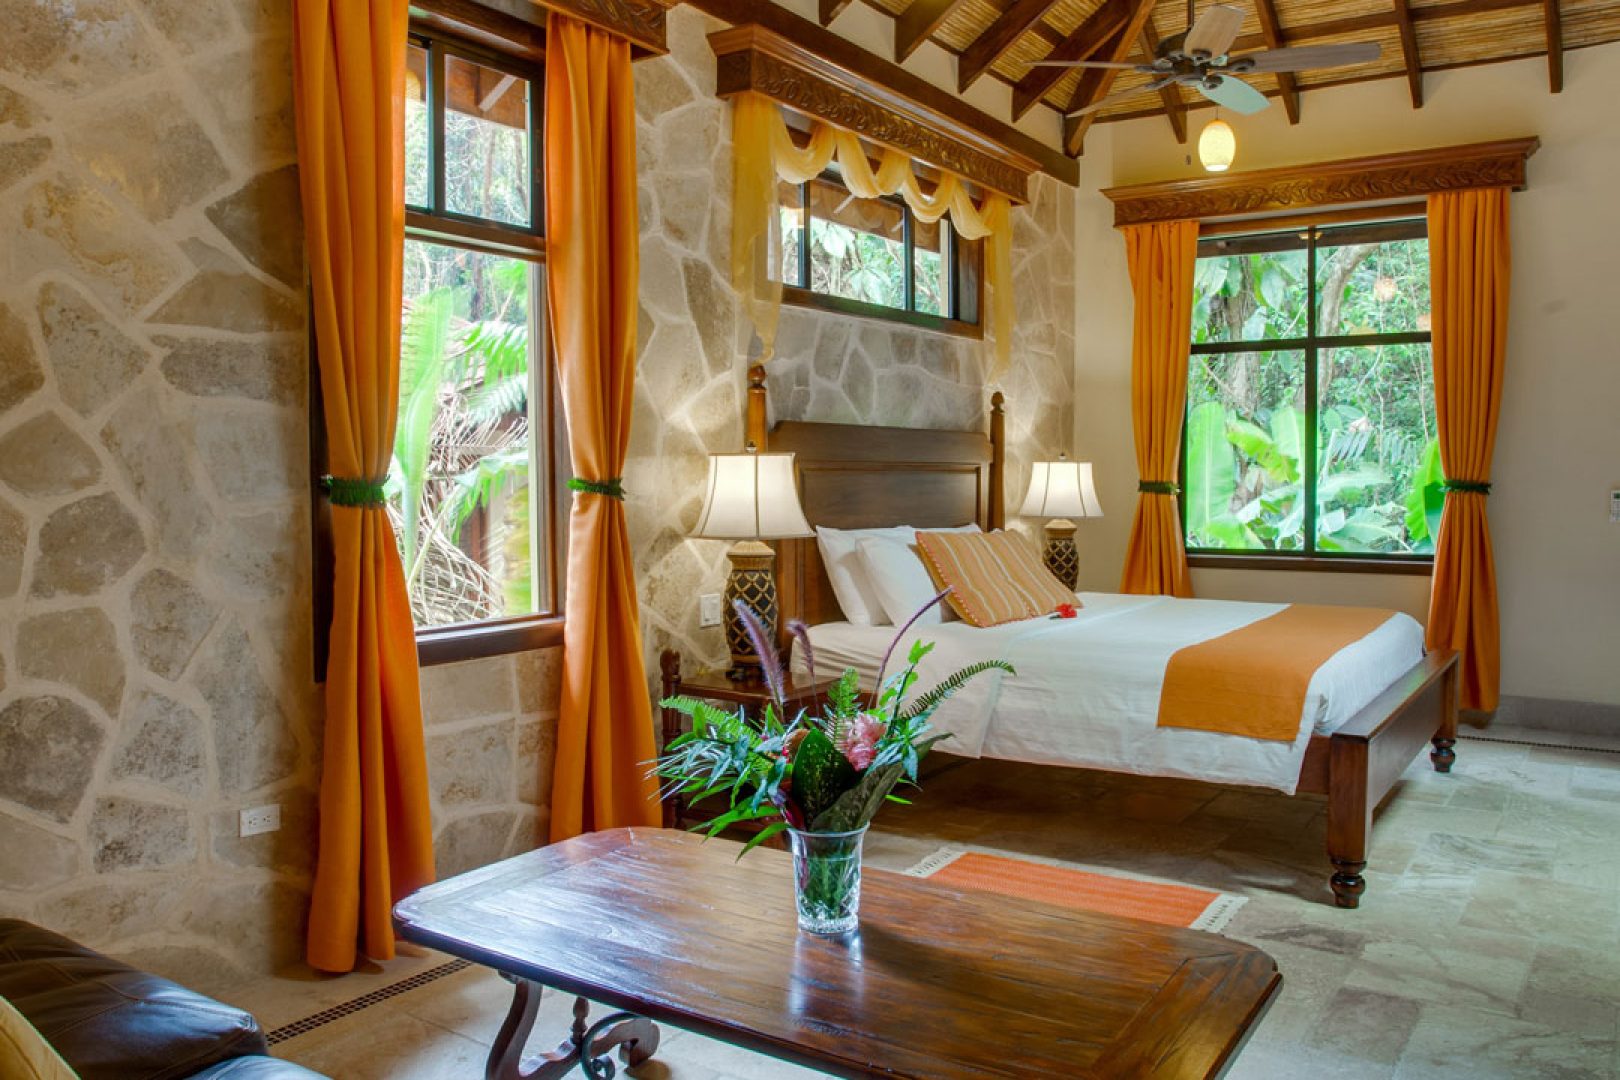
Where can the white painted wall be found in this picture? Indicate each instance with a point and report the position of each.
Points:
(1558, 450)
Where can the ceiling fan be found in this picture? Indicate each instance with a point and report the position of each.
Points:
(1198, 58)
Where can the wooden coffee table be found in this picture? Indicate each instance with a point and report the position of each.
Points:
(937, 983)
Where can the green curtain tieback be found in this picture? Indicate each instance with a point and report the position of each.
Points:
(355, 490)
(1473, 487)
(613, 489)
(1158, 487)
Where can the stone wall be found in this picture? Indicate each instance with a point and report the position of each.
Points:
(153, 440)
(154, 536)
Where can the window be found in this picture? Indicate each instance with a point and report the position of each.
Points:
(471, 482)
(873, 257)
(1310, 398)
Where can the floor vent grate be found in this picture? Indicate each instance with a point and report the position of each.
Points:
(364, 1001)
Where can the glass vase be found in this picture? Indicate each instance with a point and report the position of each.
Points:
(827, 880)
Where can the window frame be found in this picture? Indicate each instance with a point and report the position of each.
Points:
(966, 269)
(1309, 237)
(549, 453)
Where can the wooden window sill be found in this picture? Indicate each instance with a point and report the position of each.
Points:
(794, 295)
(478, 641)
(1344, 565)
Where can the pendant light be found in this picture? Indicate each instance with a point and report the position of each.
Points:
(1217, 145)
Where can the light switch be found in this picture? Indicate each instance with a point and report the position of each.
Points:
(1614, 506)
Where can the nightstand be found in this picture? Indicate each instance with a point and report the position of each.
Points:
(800, 693)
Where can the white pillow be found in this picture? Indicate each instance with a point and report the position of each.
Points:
(898, 576)
(841, 556)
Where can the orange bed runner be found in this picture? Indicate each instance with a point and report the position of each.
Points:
(1252, 681)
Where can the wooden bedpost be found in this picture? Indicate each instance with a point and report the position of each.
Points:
(1446, 737)
(998, 461)
(669, 672)
(1349, 819)
(756, 433)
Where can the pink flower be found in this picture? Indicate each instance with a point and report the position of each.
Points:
(859, 743)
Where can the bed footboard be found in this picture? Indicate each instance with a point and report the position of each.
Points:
(1366, 757)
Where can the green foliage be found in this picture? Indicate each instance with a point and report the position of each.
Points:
(1426, 500)
(1246, 487)
(821, 773)
(827, 773)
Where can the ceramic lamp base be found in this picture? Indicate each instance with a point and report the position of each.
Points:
(753, 581)
(1061, 556)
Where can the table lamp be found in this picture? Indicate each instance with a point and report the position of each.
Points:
(751, 497)
(1062, 490)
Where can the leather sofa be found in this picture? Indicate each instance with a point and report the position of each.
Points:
(108, 1020)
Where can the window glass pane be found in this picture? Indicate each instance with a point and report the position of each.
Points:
(1378, 461)
(1245, 451)
(790, 205)
(486, 137)
(459, 491)
(1372, 288)
(1250, 297)
(931, 251)
(857, 246)
(417, 169)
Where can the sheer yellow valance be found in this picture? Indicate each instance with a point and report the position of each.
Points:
(764, 152)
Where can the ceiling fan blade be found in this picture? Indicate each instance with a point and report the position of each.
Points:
(1231, 93)
(1307, 57)
(1088, 64)
(1214, 31)
(1114, 99)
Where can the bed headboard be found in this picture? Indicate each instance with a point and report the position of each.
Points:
(853, 477)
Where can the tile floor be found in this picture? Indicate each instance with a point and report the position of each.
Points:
(1487, 945)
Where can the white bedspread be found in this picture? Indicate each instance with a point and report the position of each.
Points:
(1087, 689)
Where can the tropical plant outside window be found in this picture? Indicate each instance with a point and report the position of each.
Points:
(874, 253)
(467, 489)
(1310, 409)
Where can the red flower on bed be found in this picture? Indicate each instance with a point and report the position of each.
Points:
(1066, 611)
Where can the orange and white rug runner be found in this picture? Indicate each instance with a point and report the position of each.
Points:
(1065, 886)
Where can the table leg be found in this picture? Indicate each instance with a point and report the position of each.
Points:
(636, 1038)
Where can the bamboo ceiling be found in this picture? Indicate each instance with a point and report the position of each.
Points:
(998, 38)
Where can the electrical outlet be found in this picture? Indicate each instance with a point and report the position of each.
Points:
(261, 819)
(709, 609)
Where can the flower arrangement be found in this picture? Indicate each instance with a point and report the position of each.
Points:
(826, 773)
(821, 775)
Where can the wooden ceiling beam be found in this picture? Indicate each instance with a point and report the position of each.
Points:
(917, 24)
(1271, 33)
(1409, 52)
(1175, 110)
(1555, 46)
(991, 45)
(1087, 38)
(831, 9)
(1094, 90)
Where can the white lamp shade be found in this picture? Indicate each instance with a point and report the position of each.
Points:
(751, 497)
(1217, 146)
(1062, 489)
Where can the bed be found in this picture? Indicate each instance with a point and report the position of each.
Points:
(1370, 710)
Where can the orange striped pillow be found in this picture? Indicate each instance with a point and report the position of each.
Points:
(994, 577)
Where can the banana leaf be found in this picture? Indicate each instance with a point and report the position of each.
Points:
(821, 774)
(1209, 466)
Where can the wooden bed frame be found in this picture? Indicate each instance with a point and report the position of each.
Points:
(868, 477)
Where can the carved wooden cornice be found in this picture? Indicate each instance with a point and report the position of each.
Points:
(751, 57)
(1333, 183)
(641, 22)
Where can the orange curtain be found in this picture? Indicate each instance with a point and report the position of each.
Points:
(604, 732)
(1469, 268)
(1161, 257)
(376, 838)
